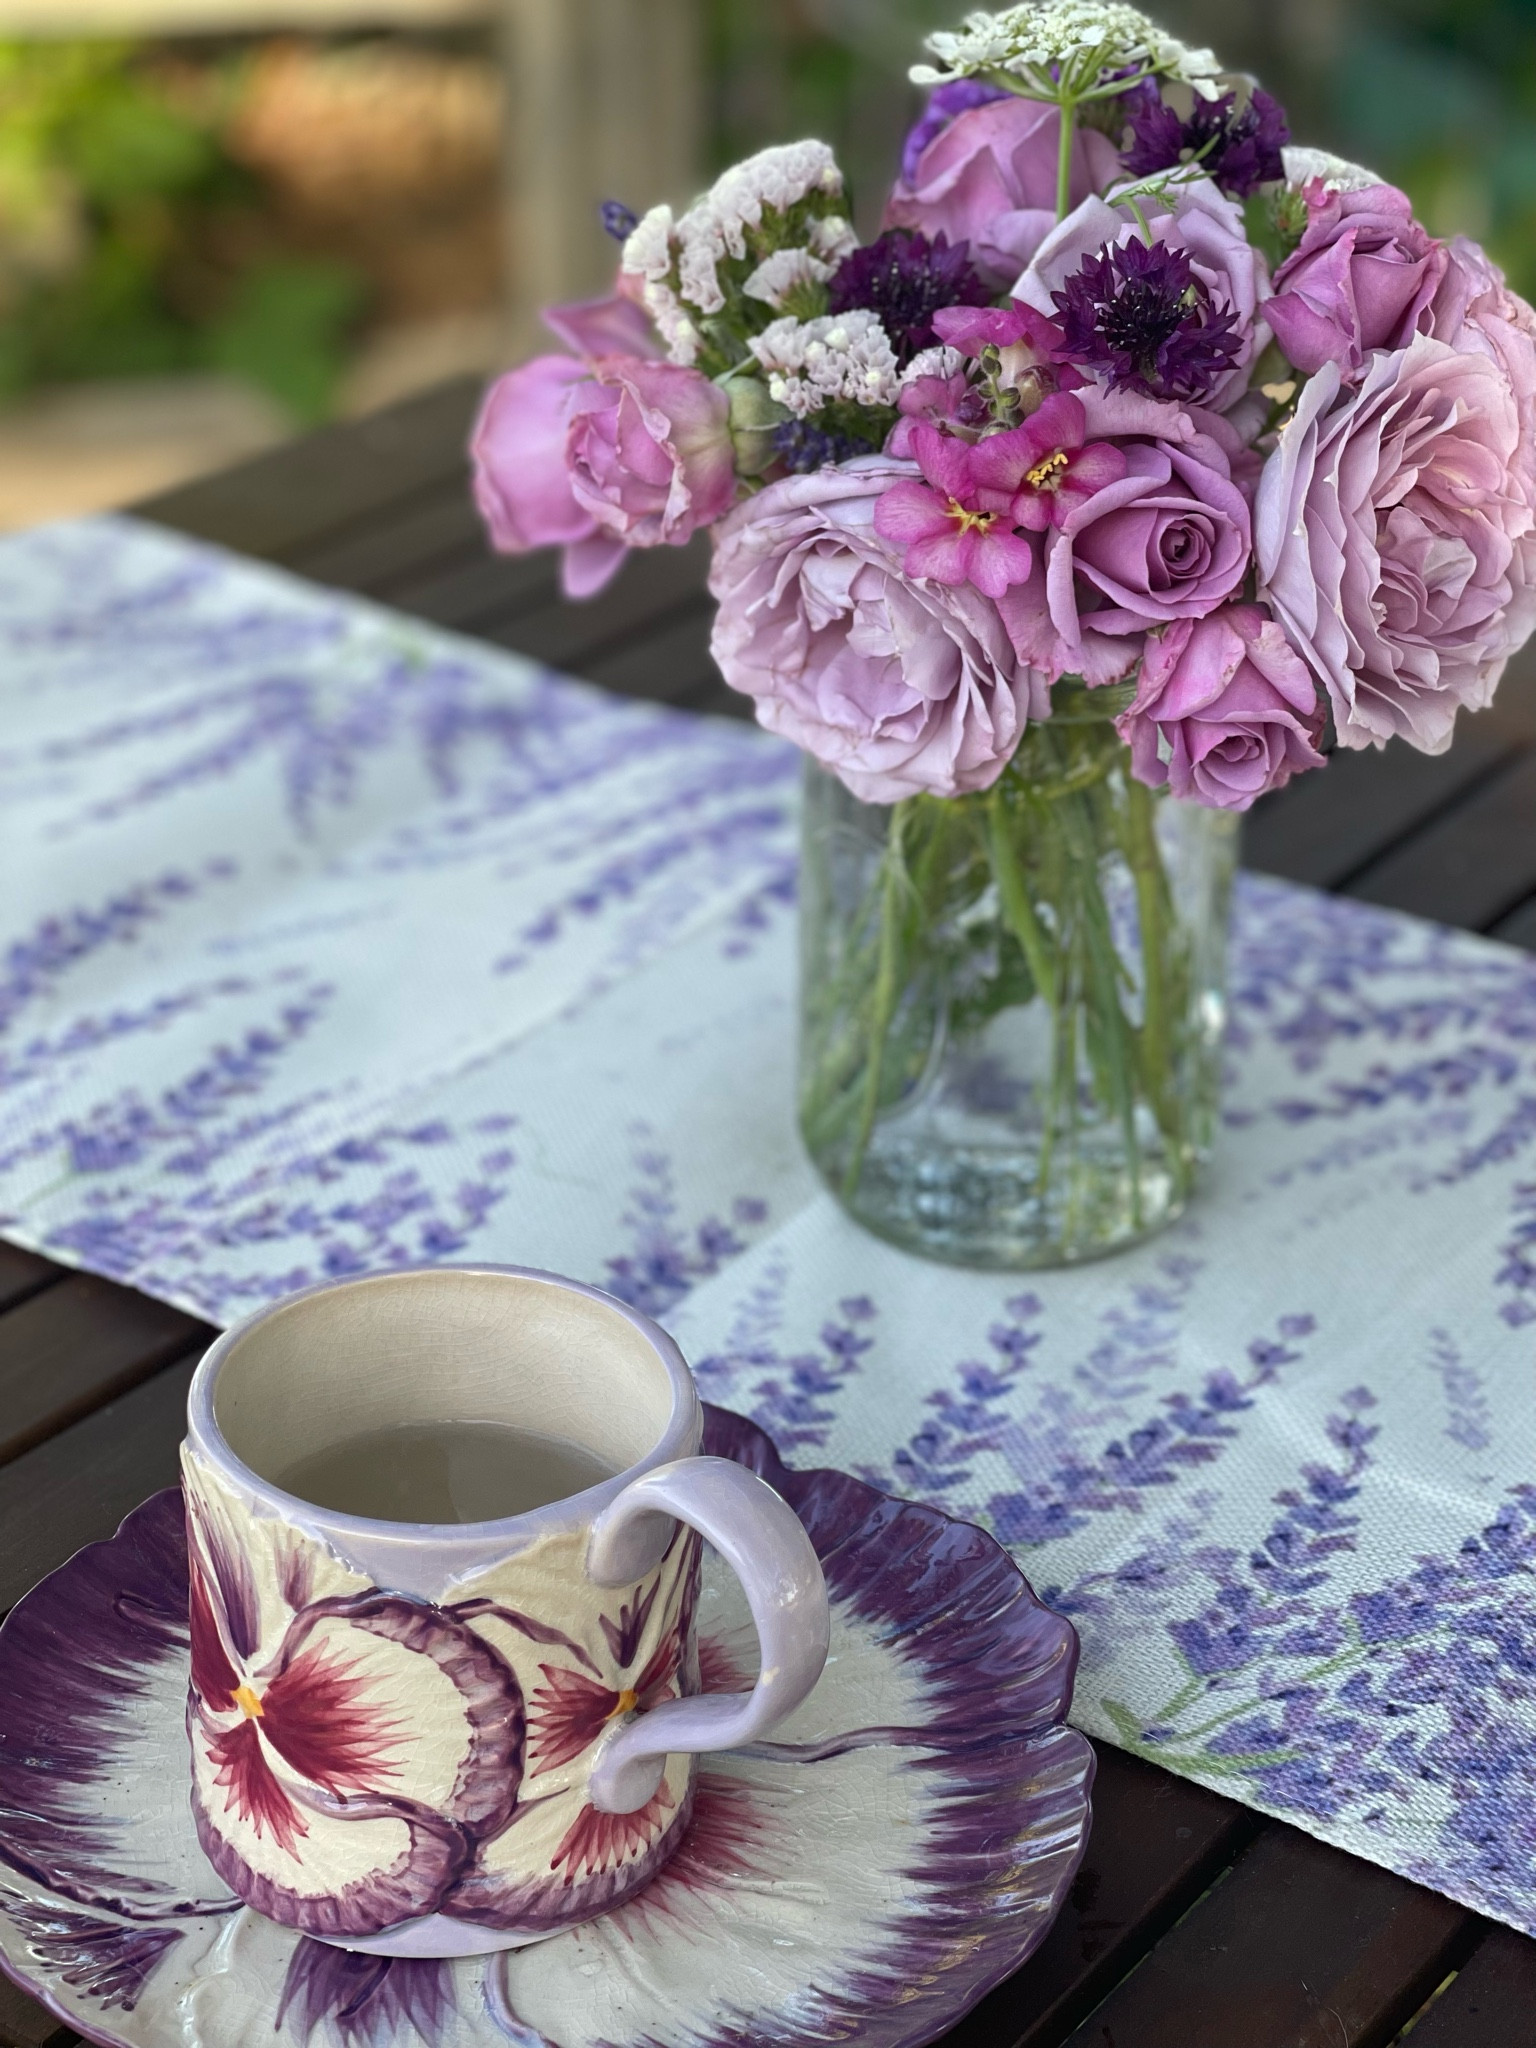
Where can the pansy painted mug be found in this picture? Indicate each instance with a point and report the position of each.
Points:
(438, 1739)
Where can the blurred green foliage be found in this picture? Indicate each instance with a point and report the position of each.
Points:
(114, 190)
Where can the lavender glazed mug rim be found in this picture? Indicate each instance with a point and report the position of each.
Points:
(679, 1437)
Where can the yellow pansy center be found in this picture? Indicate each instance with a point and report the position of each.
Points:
(980, 520)
(626, 1703)
(1046, 475)
(248, 1703)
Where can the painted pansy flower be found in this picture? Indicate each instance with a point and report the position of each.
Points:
(346, 1758)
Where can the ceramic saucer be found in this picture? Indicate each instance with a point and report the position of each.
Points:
(865, 1878)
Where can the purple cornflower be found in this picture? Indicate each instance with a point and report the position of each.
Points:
(1137, 315)
(800, 446)
(905, 279)
(1239, 150)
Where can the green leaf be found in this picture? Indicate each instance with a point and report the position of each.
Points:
(287, 330)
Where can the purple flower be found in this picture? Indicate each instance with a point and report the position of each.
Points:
(1137, 316)
(648, 451)
(943, 104)
(801, 445)
(1225, 709)
(1128, 306)
(1239, 150)
(895, 686)
(949, 534)
(905, 278)
(1394, 534)
(1362, 279)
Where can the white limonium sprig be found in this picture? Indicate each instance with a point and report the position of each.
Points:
(839, 356)
(1067, 52)
(791, 195)
(787, 272)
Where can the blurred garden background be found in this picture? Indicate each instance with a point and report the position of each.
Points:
(224, 220)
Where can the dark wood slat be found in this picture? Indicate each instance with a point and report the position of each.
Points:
(77, 1487)
(26, 2024)
(73, 1346)
(649, 589)
(1491, 2003)
(475, 587)
(1300, 1946)
(672, 665)
(1470, 865)
(23, 1273)
(1519, 928)
(1157, 1842)
(287, 500)
(1327, 826)
(407, 537)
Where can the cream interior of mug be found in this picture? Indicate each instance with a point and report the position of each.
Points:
(451, 1346)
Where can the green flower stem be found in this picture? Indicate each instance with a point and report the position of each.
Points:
(1013, 894)
(1151, 911)
(1064, 158)
(887, 988)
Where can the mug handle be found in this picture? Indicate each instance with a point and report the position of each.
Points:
(761, 1538)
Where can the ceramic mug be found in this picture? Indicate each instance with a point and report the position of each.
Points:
(441, 1739)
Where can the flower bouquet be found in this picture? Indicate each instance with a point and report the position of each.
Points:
(1139, 459)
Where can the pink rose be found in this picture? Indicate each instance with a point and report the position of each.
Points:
(649, 451)
(1361, 279)
(1475, 313)
(895, 686)
(1206, 226)
(1394, 535)
(614, 325)
(989, 179)
(521, 482)
(1225, 709)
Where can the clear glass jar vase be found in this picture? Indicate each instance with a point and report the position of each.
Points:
(1012, 1003)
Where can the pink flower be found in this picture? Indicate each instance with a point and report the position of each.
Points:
(895, 686)
(1206, 227)
(1225, 709)
(1044, 470)
(649, 451)
(948, 534)
(1360, 280)
(943, 397)
(1394, 530)
(989, 179)
(614, 325)
(570, 1710)
(521, 482)
(1475, 313)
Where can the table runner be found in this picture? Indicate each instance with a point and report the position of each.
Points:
(334, 942)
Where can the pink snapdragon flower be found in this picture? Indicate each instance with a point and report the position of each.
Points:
(1041, 472)
(1225, 710)
(949, 534)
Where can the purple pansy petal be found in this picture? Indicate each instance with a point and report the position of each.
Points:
(369, 2001)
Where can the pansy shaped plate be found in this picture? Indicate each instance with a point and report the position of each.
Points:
(902, 1846)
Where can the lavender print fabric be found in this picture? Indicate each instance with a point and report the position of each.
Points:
(333, 942)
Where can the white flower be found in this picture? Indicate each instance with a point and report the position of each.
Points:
(933, 362)
(648, 251)
(840, 355)
(777, 275)
(832, 237)
(1081, 39)
(1337, 173)
(716, 225)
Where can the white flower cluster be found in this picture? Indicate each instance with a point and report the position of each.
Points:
(1337, 173)
(1027, 42)
(933, 362)
(777, 275)
(840, 355)
(717, 225)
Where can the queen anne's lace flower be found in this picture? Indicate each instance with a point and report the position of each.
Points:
(1337, 172)
(777, 275)
(1042, 41)
(811, 363)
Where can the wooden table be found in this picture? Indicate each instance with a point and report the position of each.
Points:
(1194, 1923)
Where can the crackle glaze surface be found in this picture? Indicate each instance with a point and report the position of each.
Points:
(842, 1883)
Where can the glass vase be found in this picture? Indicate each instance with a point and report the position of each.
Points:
(1012, 1003)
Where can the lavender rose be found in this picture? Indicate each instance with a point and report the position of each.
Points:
(1361, 279)
(649, 451)
(521, 482)
(895, 686)
(1395, 536)
(1214, 292)
(1225, 709)
(989, 178)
